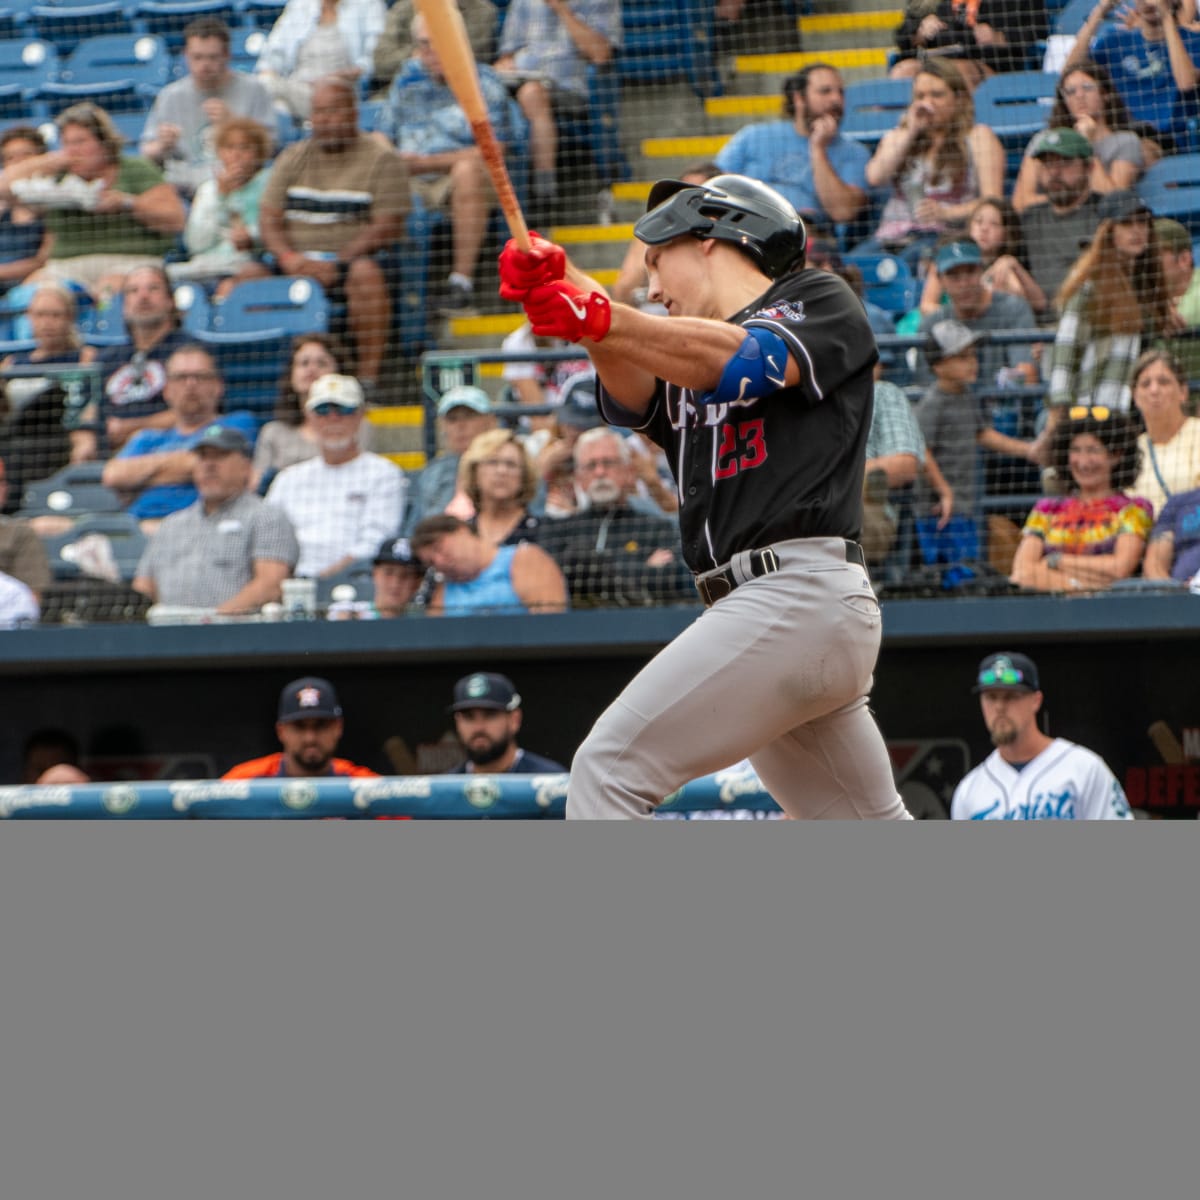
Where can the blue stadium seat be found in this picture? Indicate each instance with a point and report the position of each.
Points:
(104, 326)
(1015, 105)
(597, 130)
(66, 23)
(245, 46)
(250, 333)
(14, 22)
(119, 72)
(169, 18)
(74, 490)
(283, 304)
(260, 13)
(669, 39)
(195, 311)
(1171, 188)
(25, 68)
(887, 281)
(874, 107)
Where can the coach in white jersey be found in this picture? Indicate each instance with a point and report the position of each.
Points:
(1029, 776)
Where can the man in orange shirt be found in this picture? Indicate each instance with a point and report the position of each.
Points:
(309, 728)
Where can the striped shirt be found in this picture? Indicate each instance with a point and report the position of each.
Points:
(328, 198)
(202, 559)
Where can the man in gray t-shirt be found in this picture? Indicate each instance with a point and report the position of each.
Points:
(1057, 229)
(179, 129)
(981, 309)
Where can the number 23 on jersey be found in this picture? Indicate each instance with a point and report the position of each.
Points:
(743, 447)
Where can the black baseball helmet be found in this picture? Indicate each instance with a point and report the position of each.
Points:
(730, 208)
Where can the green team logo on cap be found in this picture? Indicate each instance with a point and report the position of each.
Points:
(477, 686)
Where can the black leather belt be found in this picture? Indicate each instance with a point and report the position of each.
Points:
(718, 584)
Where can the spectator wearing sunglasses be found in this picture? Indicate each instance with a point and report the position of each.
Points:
(345, 502)
(1031, 776)
(1086, 540)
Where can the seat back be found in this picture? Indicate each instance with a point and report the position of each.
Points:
(669, 39)
(1015, 105)
(67, 23)
(1171, 188)
(120, 73)
(874, 107)
(887, 281)
(124, 535)
(169, 18)
(283, 305)
(25, 68)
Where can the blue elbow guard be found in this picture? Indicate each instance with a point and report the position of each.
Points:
(759, 367)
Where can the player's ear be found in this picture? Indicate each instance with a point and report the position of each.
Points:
(517, 715)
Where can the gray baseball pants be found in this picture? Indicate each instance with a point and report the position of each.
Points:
(778, 671)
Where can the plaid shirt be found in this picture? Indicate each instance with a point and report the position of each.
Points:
(1088, 367)
(203, 559)
(539, 41)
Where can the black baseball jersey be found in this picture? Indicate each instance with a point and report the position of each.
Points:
(789, 464)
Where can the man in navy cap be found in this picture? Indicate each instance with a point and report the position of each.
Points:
(487, 717)
(309, 727)
(1031, 776)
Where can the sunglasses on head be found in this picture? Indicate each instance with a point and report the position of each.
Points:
(327, 409)
(1004, 675)
(1081, 412)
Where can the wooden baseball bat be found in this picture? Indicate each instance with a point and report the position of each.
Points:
(1166, 743)
(449, 36)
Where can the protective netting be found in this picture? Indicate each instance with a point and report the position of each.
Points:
(207, 206)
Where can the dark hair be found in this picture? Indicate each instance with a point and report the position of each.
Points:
(429, 529)
(1014, 234)
(159, 270)
(1117, 432)
(23, 133)
(206, 27)
(1116, 114)
(288, 407)
(799, 83)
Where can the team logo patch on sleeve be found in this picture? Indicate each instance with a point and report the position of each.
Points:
(783, 310)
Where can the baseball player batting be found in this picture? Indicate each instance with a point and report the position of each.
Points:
(758, 387)
(1030, 776)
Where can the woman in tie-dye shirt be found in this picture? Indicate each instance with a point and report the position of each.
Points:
(1095, 534)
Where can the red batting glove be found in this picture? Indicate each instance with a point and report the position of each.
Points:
(562, 310)
(520, 270)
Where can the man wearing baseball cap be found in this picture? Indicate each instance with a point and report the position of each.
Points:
(1031, 776)
(981, 308)
(344, 502)
(463, 413)
(487, 717)
(1054, 227)
(309, 727)
(230, 550)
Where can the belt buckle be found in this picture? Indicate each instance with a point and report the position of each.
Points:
(714, 588)
(769, 560)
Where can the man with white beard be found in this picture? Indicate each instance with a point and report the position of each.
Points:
(346, 502)
(615, 551)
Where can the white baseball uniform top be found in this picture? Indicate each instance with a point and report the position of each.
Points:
(1065, 782)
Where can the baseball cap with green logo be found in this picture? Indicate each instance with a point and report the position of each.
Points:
(1066, 143)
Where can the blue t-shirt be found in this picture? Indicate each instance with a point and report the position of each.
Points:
(167, 498)
(1141, 73)
(423, 117)
(779, 156)
(490, 591)
(1181, 516)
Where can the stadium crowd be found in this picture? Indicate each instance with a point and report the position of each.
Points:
(1037, 311)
